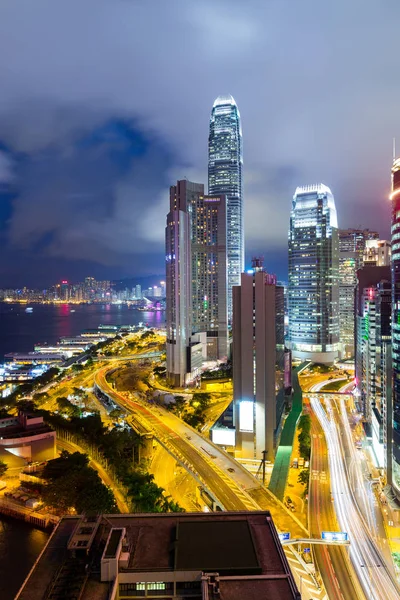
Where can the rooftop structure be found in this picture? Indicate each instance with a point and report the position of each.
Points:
(224, 556)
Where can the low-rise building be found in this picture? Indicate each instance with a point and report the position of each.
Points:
(213, 556)
(26, 438)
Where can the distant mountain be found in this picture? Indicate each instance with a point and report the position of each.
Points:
(145, 282)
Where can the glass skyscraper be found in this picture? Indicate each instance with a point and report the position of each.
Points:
(225, 162)
(313, 291)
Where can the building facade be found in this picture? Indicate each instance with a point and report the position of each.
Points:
(377, 253)
(225, 164)
(196, 281)
(258, 358)
(209, 272)
(395, 239)
(313, 290)
(368, 280)
(179, 281)
(351, 250)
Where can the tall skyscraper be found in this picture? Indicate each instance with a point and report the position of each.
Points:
(178, 255)
(209, 272)
(313, 292)
(395, 198)
(368, 279)
(225, 162)
(258, 358)
(351, 248)
(196, 281)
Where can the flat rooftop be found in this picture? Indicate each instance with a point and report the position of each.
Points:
(180, 549)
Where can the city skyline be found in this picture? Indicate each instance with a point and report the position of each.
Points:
(80, 164)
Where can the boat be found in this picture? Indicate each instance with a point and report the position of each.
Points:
(72, 310)
(29, 309)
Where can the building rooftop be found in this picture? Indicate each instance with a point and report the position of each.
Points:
(229, 556)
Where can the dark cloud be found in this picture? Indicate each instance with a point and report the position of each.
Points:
(316, 84)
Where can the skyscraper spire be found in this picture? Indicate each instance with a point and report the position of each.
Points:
(225, 162)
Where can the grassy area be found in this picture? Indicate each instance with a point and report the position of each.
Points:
(334, 386)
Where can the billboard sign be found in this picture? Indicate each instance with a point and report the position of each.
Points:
(335, 536)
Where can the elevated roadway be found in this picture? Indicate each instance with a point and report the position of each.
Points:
(228, 482)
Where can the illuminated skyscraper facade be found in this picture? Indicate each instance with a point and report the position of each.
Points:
(196, 281)
(351, 248)
(313, 291)
(209, 272)
(225, 163)
(395, 198)
(184, 353)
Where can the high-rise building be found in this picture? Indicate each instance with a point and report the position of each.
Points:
(351, 249)
(209, 272)
(313, 291)
(377, 253)
(382, 415)
(225, 163)
(258, 358)
(138, 292)
(368, 280)
(179, 281)
(395, 198)
(64, 291)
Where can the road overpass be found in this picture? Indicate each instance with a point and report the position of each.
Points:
(232, 486)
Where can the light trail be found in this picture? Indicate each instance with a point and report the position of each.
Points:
(371, 570)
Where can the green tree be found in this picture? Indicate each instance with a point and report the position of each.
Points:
(65, 406)
(3, 468)
(304, 477)
(67, 462)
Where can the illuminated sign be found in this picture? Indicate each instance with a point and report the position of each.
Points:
(335, 536)
(212, 199)
(284, 536)
(246, 415)
(223, 436)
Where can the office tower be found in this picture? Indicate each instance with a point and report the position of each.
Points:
(258, 358)
(395, 198)
(138, 292)
(178, 284)
(163, 289)
(313, 291)
(377, 253)
(368, 279)
(225, 162)
(64, 291)
(209, 272)
(157, 291)
(382, 428)
(351, 250)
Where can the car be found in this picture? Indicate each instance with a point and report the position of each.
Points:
(231, 470)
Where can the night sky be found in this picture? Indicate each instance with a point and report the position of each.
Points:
(105, 103)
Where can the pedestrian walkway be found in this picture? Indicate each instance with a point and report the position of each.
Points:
(281, 467)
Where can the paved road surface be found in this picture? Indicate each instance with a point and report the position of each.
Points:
(335, 570)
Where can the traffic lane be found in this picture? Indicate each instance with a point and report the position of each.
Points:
(331, 561)
(321, 554)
